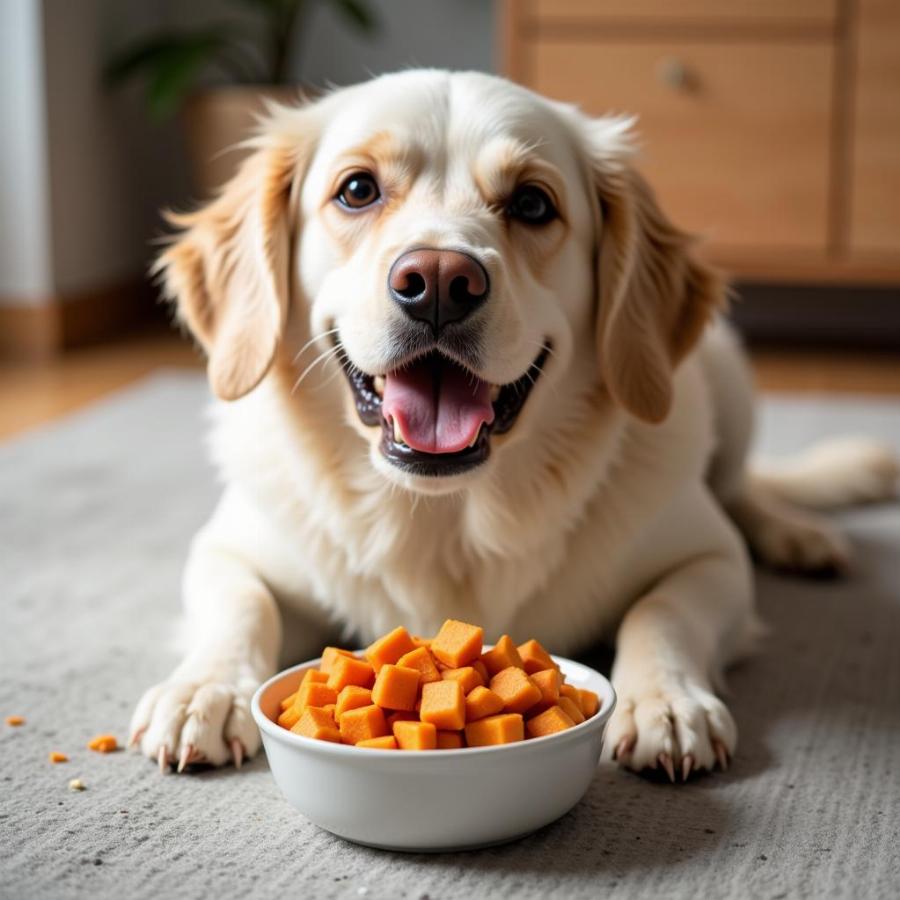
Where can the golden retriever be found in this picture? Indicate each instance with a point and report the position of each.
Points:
(469, 369)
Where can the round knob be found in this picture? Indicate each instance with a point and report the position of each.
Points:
(674, 73)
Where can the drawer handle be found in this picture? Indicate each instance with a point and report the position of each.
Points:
(674, 73)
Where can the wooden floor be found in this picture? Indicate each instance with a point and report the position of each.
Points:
(32, 394)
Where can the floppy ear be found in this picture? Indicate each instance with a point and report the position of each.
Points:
(228, 270)
(655, 297)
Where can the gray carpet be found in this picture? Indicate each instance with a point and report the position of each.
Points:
(95, 516)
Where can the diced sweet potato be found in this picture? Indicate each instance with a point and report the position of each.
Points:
(570, 691)
(415, 735)
(330, 655)
(103, 743)
(482, 702)
(457, 644)
(388, 742)
(15, 721)
(317, 723)
(290, 717)
(422, 661)
(315, 675)
(57, 757)
(590, 702)
(503, 729)
(467, 676)
(288, 701)
(516, 689)
(313, 693)
(396, 687)
(547, 681)
(503, 655)
(388, 649)
(534, 657)
(348, 670)
(571, 709)
(362, 724)
(481, 669)
(548, 722)
(450, 740)
(351, 697)
(400, 715)
(444, 705)
(420, 641)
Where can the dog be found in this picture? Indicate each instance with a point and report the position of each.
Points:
(467, 368)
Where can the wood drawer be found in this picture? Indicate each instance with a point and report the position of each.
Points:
(738, 152)
(707, 12)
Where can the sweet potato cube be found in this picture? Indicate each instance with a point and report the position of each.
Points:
(481, 669)
(290, 717)
(450, 740)
(571, 709)
(421, 660)
(457, 644)
(362, 724)
(351, 697)
(548, 722)
(387, 650)
(314, 693)
(317, 723)
(400, 715)
(570, 691)
(396, 687)
(503, 655)
(516, 689)
(534, 657)
(547, 681)
(421, 641)
(388, 742)
(330, 655)
(348, 670)
(288, 701)
(415, 735)
(444, 705)
(315, 675)
(481, 703)
(467, 676)
(503, 729)
(590, 702)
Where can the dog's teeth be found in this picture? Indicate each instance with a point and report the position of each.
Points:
(475, 439)
(378, 384)
(398, 434)
(495, 392)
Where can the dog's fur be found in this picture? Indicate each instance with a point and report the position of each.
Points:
(602, 511)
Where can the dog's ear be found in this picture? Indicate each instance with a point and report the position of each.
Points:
(228, 271)
(655, 296)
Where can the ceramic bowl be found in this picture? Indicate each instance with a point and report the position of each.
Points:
(433, 800)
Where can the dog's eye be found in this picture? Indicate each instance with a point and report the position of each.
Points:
(532, 205)
(359, 190)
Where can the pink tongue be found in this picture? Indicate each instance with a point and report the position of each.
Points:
(439, 407)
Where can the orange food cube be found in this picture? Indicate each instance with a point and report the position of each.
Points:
(314, 693)
(290, 717)
(400, 715)
(482, 702)
(330, 655)
(590, 702)
(330, 708)
(549, 722)
(362, 724)
(317, 723)
(516, 689)
(415, 735)
(570, 691)
(316, 675)
(388, 742)
(502, 656)
(503, 729)
(288, 701)
(534, 657)
(421, 660)
(444, 705)
(396, 687)
(571, 709)
(348, 670)
(420, 641)
(450, 740)
(15, 721)
(103, 743)
(481, 669)
(57, 757)
(388, 649)
(457, 644)
(351, 697)
(467, 676)
(547, 681)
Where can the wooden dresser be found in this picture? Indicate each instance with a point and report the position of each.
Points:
(772, 127)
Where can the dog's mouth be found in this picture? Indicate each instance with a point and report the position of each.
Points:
(436, 416)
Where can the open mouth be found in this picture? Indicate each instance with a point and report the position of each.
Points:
(436, 416)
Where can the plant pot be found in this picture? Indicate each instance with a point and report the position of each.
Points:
(215, 120)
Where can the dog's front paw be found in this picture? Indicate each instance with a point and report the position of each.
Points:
(675, 725)
(199, 715)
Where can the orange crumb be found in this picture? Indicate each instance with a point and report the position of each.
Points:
(15, 721)
(57, 757)
(103, 743)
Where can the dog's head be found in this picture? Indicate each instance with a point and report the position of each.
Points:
(467, 253)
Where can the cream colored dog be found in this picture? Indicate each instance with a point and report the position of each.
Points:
(469, 374)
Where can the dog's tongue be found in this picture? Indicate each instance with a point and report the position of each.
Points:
(438, 406)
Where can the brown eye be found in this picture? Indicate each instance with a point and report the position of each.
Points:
(532, 205)
(358, 191)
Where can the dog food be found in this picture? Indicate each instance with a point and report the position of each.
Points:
(15, 721)
(57, 757)
(441, 693)
(103, 743)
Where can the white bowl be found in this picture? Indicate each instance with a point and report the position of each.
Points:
(433, 799)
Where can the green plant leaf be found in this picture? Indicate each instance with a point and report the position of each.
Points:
(357, 13)
(174, 74)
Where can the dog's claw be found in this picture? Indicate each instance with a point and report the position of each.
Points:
(163, 758)
(187, 751)
(666, 762)
(237, 752)
(135, 736)
(687, 764)
(624, 748)
(721, 755)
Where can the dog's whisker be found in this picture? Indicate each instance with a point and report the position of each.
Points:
(312, 341)
(321, 358)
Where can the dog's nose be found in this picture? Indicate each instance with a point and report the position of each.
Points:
(438, 286)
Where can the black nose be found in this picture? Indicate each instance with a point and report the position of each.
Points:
(438, 286)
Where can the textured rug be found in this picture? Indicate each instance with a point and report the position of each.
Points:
(95, 516)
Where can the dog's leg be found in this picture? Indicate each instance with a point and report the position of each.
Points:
(201, 713)
(671, 649)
